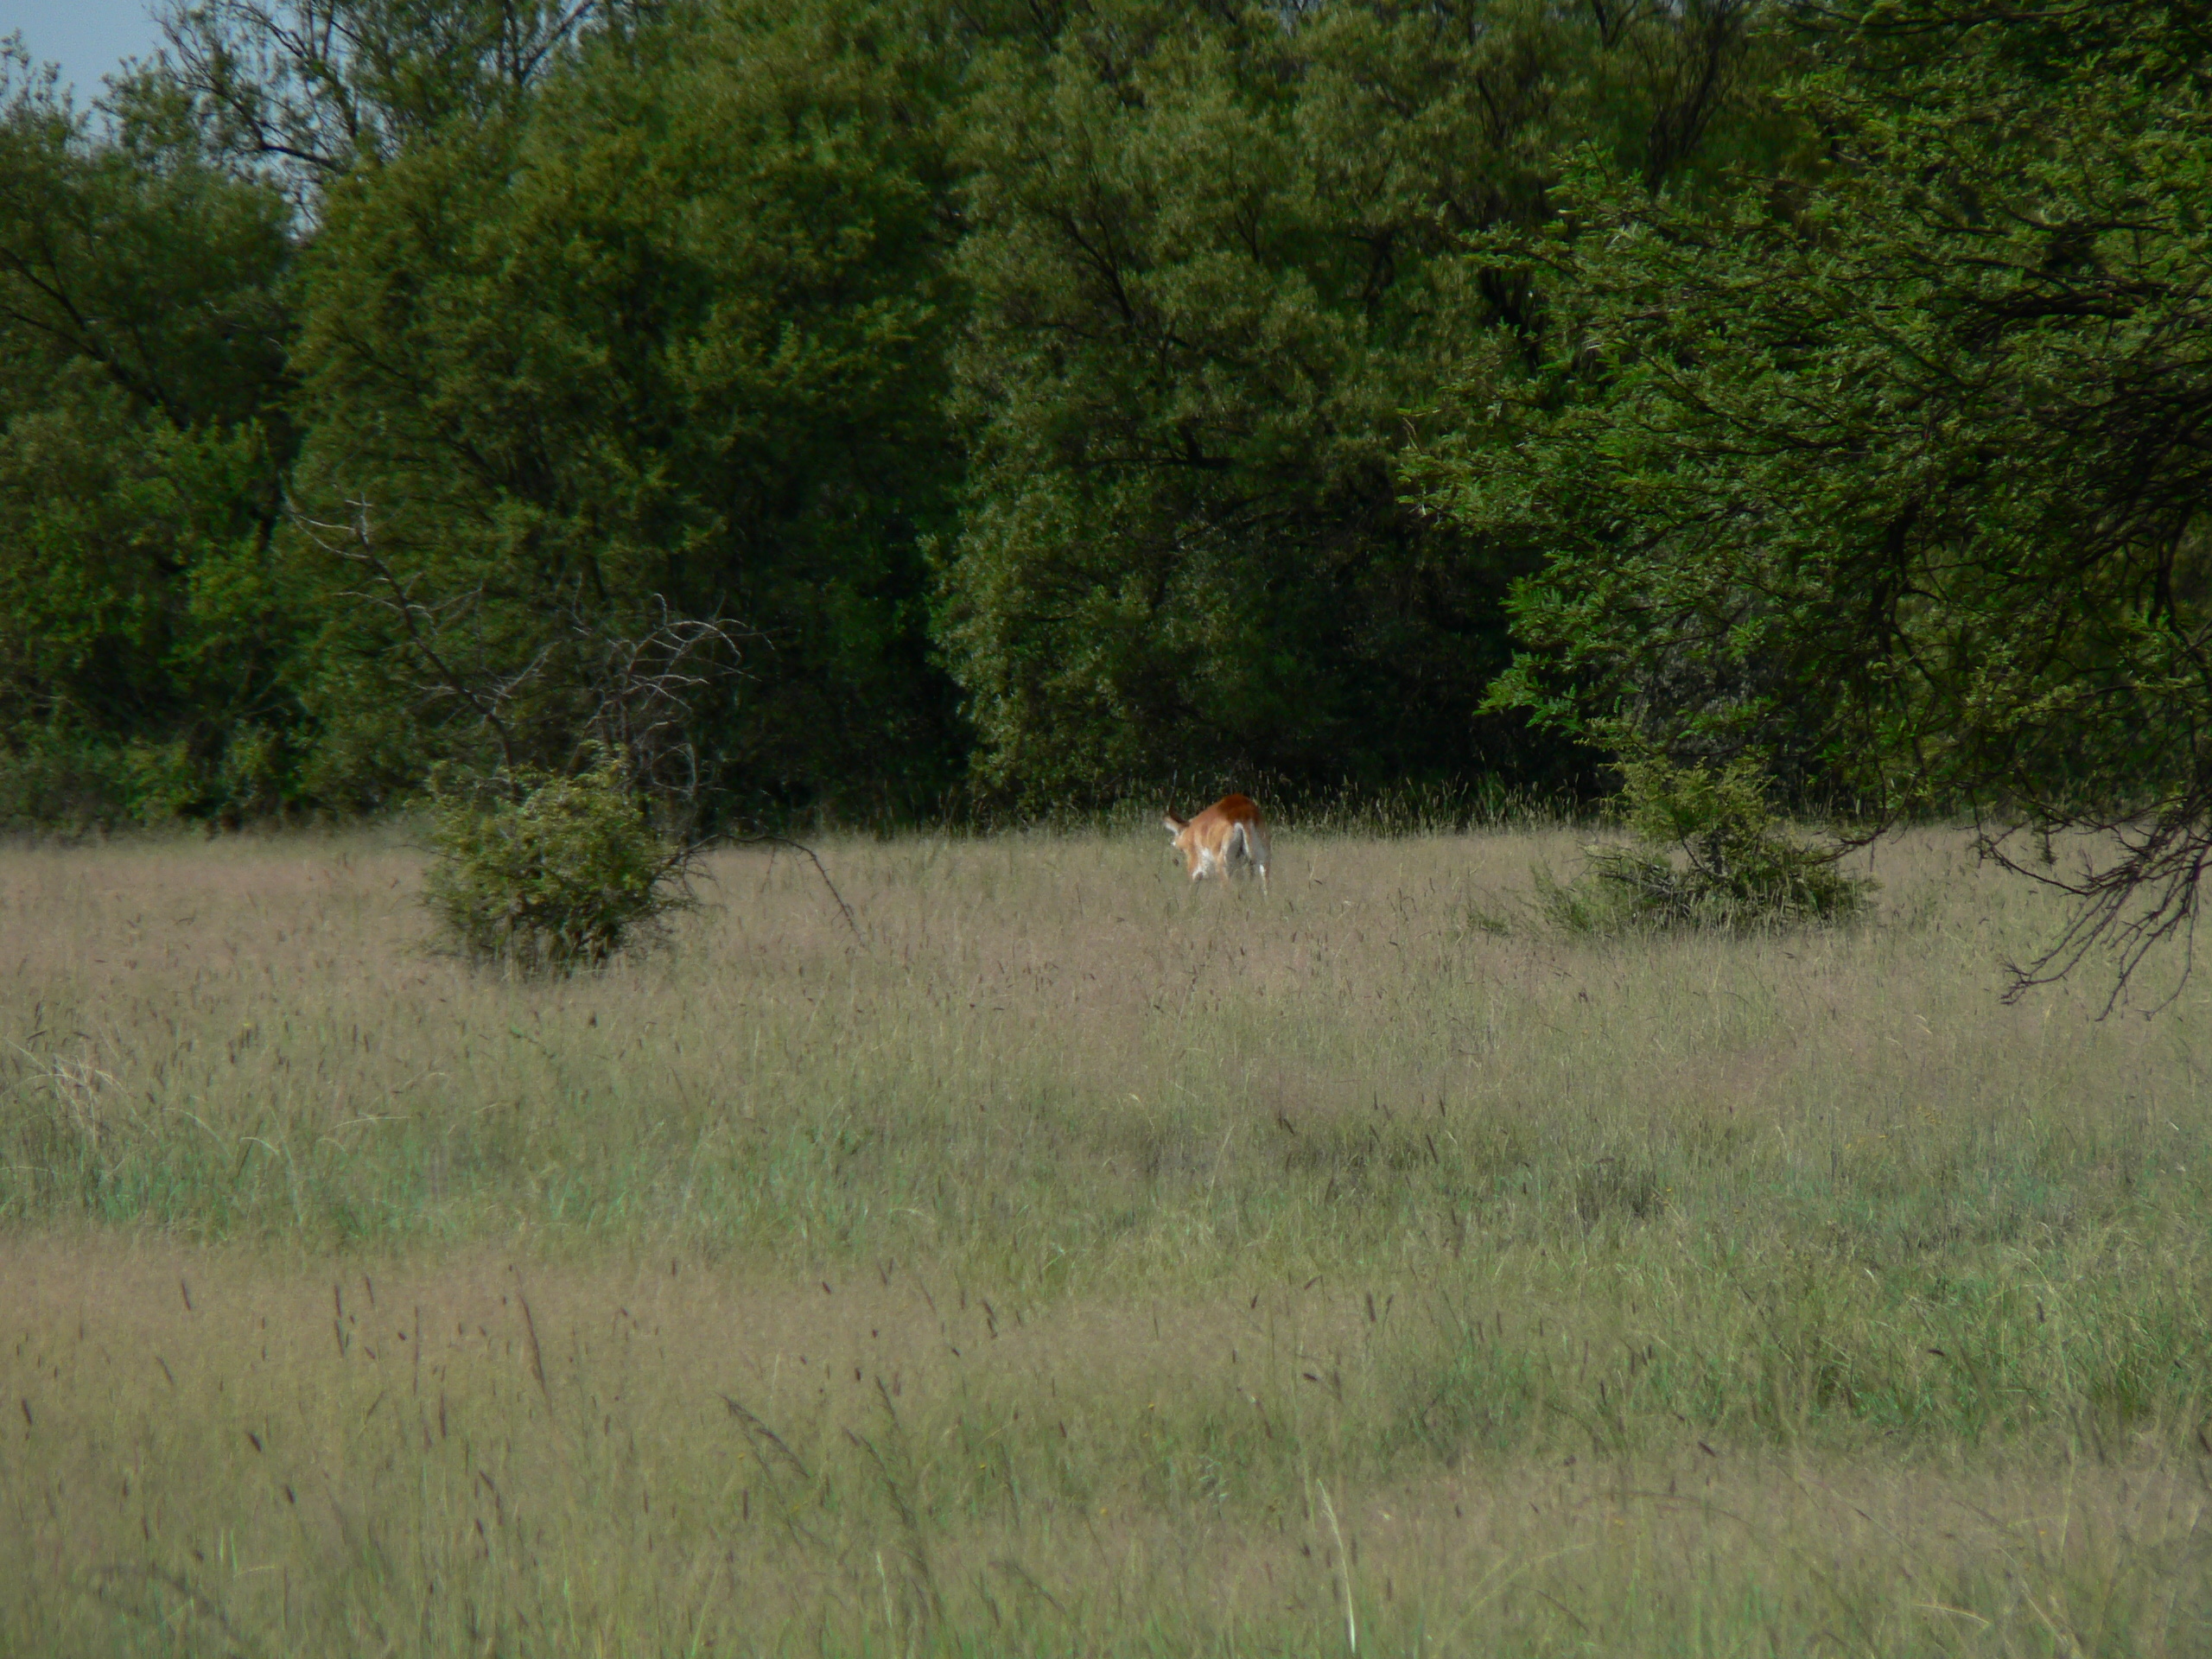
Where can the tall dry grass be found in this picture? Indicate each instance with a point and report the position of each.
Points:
(1077, 1261)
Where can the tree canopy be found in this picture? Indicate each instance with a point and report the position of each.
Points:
(1216, 263)
(1895, 471)
(145, 637)
(956, 406)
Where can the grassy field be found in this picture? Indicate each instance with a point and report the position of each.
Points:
(1071, 1261)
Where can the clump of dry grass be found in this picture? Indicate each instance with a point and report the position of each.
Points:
(1022, 1273)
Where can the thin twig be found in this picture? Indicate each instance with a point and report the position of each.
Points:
(844, 909)
(413, 614)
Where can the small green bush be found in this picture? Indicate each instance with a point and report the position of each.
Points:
(1710, 853)
(544, 874)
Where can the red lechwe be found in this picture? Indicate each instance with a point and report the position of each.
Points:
(1228, 830)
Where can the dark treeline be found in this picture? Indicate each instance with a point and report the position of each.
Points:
(1047, 401)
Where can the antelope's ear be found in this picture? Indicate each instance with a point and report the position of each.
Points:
(1172, 825)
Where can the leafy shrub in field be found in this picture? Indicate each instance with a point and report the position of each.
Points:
(1711, 854)
(545, 874)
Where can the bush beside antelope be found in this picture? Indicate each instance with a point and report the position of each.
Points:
(1228, 831)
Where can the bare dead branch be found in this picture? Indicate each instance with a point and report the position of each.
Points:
(357, 546)
(643, 690)
(2139, 890)
(844, 909)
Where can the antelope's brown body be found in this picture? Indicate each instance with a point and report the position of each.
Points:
(1229, 831)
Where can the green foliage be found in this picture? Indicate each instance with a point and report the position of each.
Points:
(669, 342)
(1880, 468)
(381, 364)
(1713, 855)
(1214, 261)
(545, 874)
(147, 632)
(1027, 398)
(307, 90)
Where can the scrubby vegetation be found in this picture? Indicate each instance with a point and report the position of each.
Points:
(1711, 852)
(543, 873)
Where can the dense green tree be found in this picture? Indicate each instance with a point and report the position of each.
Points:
(304, 89)
(146, 634)
(1137, 390)
(669, 344)
(1899, 478)
(1214, 258)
